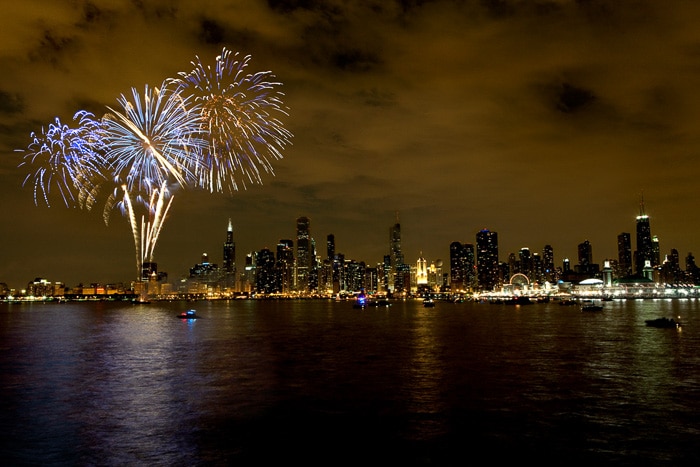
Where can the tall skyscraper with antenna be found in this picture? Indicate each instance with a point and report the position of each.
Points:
(229, 258)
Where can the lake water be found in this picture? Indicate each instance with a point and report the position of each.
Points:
(321, 383)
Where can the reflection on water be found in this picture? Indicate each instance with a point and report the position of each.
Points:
(424, 379)
(323, 383)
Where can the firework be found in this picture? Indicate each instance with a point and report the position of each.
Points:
(239, 117)
(146, 237)
(67, 161)
(207, 128)
(156, 138)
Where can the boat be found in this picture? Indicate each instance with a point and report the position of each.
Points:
(428, 303)
(189, 314)
(361, 301)
(590, 305)
(666, 323)
(519, 300)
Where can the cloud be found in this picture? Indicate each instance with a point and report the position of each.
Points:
(526, 117)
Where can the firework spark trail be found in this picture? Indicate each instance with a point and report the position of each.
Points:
(151, 229)
(146, 236)
(237, 111)
(67, 159)
(129, 208)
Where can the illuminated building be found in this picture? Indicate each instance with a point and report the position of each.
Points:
(148, 270)
(435, 279)
(461, 266)
(585, 255)
(371, 279)
(265, 272)
(334, 274)
(525, 262)
(671, 270)
(692, 270)
(399, 277)
(204, 276)
(470, 278)
(549, 271)
(487, 259)
(585, 267)
(607, 274)
(248, 276)
(645, 247)
(303, 260)
(624, 254)
(385, 268)
(229, 258)
(40, 288)
(314, 268)
(421, 271)
(285, 266)
(354, 275)
(656, 251)
(537, 274)
(330, 246)
(338, 273)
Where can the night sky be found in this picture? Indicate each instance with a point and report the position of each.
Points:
(545, 121)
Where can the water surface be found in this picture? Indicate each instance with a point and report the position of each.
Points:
(322, 383)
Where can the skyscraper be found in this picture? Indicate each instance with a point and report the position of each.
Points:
(421, 271)
(303, 254)
(330, 246)
(285, 266)
(537, 269)
(397, 278)
(265, 277)
(624, 254)
(548, 263)
(585, 255)
(487, 259)
(470, 278)
(395, 243)
(655, 251)
(229, 258)
(645, 248)
(525, 259)
(458, 266)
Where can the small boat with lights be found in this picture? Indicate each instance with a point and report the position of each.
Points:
(429, 303)
(666, 323)
(361, 301)
(590, 305)
(189, 314)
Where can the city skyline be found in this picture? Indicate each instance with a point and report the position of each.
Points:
(543, 121)
(229, 258)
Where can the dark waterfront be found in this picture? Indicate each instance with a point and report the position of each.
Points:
(321, 383)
